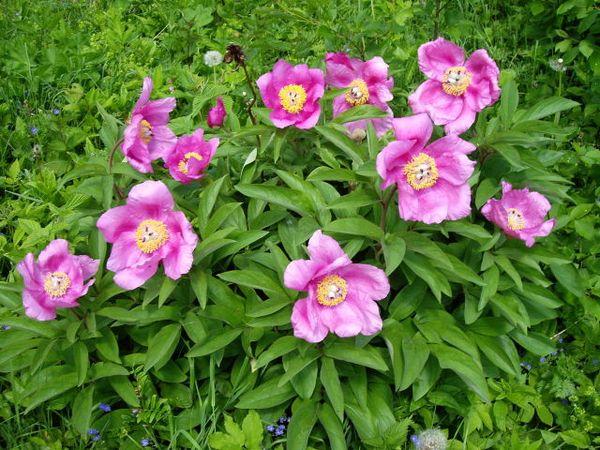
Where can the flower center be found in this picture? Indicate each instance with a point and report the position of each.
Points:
(331, 290)
(292, 98)
(56, 284)
(145, 131)
(151, 235)
(421, 172)
(183, 164)
(456, 80)
(357, 93)
(516, 221)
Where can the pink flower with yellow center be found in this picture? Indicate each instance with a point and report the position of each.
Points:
(56, 280)
(341, 295)
(191, 156)
(432, 179)
(292, 93)
(216, 114)
(520, 213)
(366, 82)
(456, 89)
(145, 231)
(147, 136)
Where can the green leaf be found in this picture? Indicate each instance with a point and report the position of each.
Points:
(82, 410)
(214, 343)
(341, 141)
(166, 289)
(548, 107)
(277, 195)
(161, 346)
(199, 283)
(509, 101)
(536, 343)
(255, 280)
(464, 366)
(394, 249)
(490, 278)
(253, 430)
(355, 199)
(356, 226)
(333, 388)
(415, 354)
(124, 388)
(280, 347)
(81, 361)
(367, 356)
(267, 395)
(108, 346)
(569, 278)
(424, 270)
(333, 427)
(359, 113)
(576, 438)
(302, 422)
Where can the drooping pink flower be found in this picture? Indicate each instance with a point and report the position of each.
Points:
(520, 213)
(456, 89)
(56, 280)
(191, 156)
(431, 179)
(145, 231)
(367, 82)
(292, 93)
(341, 294)
(147, 136)
(216, 114)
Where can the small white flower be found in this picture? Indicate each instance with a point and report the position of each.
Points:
(433, 439)
(557, 65)
(213, 58)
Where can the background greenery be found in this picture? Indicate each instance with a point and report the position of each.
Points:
(491, 342)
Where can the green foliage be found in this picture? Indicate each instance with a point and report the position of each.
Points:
(210, 360)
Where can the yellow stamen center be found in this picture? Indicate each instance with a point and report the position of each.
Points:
(421, 172)
(56, 284)
(145, 131)
(151, 235)
(516, 221)
(456, 80)
(331, 290)
(357, 93)
(183, 164)
(292, 98)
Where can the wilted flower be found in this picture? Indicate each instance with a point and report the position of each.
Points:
(34, 130)
(365, 83)
(433, 439)
(341, 295)
(56, 280)
(216, 114)
(235, 54)
(457, 89)
(213, 58)
(144, 232)
(431, 179)
(191, 156)
(147, 136)
(292, 93)
(520, 213)
(104, 407)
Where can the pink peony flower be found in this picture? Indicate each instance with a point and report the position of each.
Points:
(457, 89)
(292, 93)
(56, 280)
(367, 83)
(191, 156)
(147, 136)
(520, 213)
(144, 232)
(341, 295)
(431, 179)
(217, 114)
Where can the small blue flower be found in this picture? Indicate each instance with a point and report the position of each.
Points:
(281, 427)
(96, 438)
(56, 111)
(560, 340)
(270, 428)
(528, 366)
(145, 442)
(554, 353)
(279, 431)
(34, 130)
(542, 359)
(5, 327)
(93, 432)
(415, 439)
(104, 407)
(283, 419)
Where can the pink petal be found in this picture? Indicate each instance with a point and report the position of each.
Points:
(455, 168)
(451, 143)
(391, 161)
(264, 82)
(462, 123)
(125, 253)
(325, 249)
(162, 142)
(431, 98)
(340, 72)
(157, 111)
(88, 265)
(416, 128)
(306, 323)
(484, 89)
(53, 255)
(35, 310)
(117, 220)
(311, 120)
(145, 95)
(299, 273)
(366, 279)
(375, 71)
(437, 56)
(29, 271)
(151, 195)
(345, 319)
(133, 277)
(458, 199)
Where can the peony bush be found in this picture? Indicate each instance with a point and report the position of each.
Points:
(310, 266)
